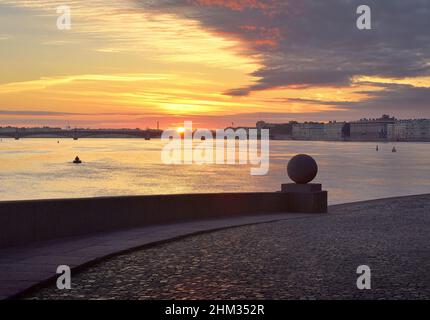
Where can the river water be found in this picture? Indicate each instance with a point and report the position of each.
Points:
(43, 169)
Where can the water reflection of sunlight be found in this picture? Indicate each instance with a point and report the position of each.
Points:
(41, 168)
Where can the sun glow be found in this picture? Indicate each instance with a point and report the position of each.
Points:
(123, 62)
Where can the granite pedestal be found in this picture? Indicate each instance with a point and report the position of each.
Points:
(305, 198)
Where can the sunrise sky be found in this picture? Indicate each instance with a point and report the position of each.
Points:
(131, 63)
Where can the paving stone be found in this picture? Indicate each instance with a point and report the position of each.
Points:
(74, 251)
(306, 257)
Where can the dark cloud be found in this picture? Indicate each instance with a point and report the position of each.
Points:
(271, 78)
(398, 99)
(314, 42)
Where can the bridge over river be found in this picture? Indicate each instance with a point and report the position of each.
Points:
(82, 133)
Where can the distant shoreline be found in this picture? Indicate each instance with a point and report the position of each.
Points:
(159, 138)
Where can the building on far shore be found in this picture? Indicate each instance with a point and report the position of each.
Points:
(409, 130)
(308, 131)
(385, 128)
(397, 131)
(371, 129)
(336, 131)
(281, 131)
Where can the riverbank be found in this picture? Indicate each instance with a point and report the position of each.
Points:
(302, 257)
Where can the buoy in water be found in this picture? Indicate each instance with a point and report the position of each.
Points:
(377, 148)
(394, 149)
(77, 160)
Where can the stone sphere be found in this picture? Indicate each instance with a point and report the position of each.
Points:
(302, 169)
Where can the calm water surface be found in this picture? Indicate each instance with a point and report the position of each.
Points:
(42, 168)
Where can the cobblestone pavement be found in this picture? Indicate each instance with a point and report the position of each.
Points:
(315, 257)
